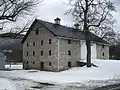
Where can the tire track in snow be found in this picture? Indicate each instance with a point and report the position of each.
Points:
(19, 83)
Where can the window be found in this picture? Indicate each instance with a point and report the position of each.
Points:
(33, 53)
(69, 52)
(41, 42)
(33, 43)
(33, 62)
(50, 64)
(49, 41)
(41, 53)
(102, 46)
(27, 53)
(103, 54)
(36, 32)
(69, 64)
(50, 52)
(27, 62)
(27, 44)
(41, 65)
(69, 41)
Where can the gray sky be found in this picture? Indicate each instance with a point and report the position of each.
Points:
(48, 10)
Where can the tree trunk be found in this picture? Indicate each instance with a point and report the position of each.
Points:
(87, 36)
(88, 47)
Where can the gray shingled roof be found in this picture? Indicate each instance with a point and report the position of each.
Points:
(68, 32)
(63, 31)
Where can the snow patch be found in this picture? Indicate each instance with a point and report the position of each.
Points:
(107, 73)
(6, 84)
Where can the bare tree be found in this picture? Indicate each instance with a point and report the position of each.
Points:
(11, 9)
(92, 15)
(24, 29)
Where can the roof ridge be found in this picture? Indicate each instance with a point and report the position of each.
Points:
(58, 25)
(65, 31)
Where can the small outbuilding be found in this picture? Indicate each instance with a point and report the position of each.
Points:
(2, 61)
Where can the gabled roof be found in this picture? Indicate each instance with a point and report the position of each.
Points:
(63, 31)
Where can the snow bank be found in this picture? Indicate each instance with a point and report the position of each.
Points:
(107, 72)
(108, 69)
(6, 84)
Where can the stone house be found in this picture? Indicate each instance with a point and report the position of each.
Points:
(53, 47)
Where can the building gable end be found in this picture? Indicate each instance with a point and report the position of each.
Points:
(32, 27)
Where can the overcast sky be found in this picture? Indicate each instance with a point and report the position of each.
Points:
(48, 10)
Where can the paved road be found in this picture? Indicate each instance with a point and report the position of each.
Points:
(109, 87)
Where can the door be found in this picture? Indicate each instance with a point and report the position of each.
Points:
(69, 64)
(41, 65)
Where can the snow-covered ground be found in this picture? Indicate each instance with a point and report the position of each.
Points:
(5, 84)
(14, 66)
(107, 73)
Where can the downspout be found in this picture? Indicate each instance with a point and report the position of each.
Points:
(79, 50)
(58, 52)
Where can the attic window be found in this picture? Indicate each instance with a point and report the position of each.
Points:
(49, 41)
(69, 41)
(27, 44)
(102, 46)
(37, 32)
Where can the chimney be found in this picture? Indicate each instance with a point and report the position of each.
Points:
(57, 21)
(76, 26)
